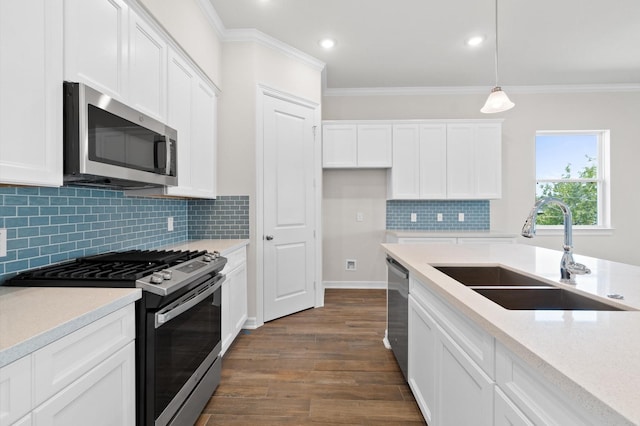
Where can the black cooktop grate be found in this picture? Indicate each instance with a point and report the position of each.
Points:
(115, 269)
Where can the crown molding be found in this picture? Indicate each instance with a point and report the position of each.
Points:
(256, 36)
(474, 90)
(212, 15)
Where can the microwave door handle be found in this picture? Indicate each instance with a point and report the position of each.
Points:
(167, 145)
(157, 142)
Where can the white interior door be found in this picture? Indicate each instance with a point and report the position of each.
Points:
(289, 207)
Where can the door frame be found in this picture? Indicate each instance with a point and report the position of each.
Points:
(263, 91)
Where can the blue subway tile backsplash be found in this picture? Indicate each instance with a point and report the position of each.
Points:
(50, 225)
(476, 215)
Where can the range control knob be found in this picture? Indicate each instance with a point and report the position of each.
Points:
(207, 257)
(156, 278)
(166, 274)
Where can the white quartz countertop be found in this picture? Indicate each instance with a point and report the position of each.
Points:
(449, 234)
(222, 246)
(591, 356)
(32, 317)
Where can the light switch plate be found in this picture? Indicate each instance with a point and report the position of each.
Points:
(414, 217)
(3, 242)
(359, 217)
(170, 223)
(460, 217)
(439, 217)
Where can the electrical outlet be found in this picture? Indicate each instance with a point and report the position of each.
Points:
(359, 217)
(350, 265)
(414, 217)
(3, 242)
(439, 217)
(170, 223)
(460, 217)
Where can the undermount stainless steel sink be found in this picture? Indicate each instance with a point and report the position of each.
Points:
(516, 291)
(488, 276)
(542, 298)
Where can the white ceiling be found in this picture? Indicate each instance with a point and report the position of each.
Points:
(420, 43)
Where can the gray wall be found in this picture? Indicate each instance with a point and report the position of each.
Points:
(562, 111)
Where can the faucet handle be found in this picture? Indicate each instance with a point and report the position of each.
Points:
(578, 268)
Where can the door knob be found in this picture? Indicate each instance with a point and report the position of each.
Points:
(268, 237)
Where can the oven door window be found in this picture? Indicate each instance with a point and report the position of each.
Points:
(181, 345)
(114, 140)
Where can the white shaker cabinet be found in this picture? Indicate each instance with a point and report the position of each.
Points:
(446, 160)
(147, 68)
(96, 38)
(356, 145)
(31, 92)
(450, 360)
(192, 112)
(85, 377)
(419, 162)
(234, 296)
(474, 161)
(112, 49)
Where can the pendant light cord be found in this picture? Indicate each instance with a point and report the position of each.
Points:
(496, 52)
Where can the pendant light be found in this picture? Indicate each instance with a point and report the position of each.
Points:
(498, 100)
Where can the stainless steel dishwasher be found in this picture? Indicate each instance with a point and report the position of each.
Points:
(398, 311)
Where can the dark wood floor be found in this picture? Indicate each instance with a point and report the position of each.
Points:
(321, 366)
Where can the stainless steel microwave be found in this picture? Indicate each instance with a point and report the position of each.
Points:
(109, 144)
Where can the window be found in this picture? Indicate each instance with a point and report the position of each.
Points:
(573, 167)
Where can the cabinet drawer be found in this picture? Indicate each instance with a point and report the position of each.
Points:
(472, 339)
(234, 259)
(65, 360)
(15, 390)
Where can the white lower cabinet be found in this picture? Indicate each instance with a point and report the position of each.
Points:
(442, 375)
(506, 413)
(103, 396)
(86, 377)
(234, 296)
(461, 375)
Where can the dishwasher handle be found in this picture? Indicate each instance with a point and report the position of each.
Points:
(397, 268)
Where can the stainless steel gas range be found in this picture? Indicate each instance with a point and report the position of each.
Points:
(178, 323)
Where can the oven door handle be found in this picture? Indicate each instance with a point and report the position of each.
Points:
(172, 311)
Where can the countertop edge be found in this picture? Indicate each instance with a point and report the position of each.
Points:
(32, 344)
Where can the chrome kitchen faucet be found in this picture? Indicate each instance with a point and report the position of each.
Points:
(568, 267)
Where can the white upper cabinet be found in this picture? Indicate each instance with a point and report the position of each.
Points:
(112, 49)
(352, 145)
(147, 65)
(31, 92)
(474, 161)
(439, 160)
(96, 44)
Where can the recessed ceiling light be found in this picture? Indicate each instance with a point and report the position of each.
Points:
(327, 43)
(475, 41)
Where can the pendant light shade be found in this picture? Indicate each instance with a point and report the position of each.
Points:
(498, 100)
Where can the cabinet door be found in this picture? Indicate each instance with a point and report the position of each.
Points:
(203, 140)
(147, 64)
(433, 161)
(95, 44)
(105, 395)
(421, 373)
(488, 161)
(180, 84)
(339, 145)
(15, 390)
(374, 147)
(31, 92)
(460, 161)
(405, 172)
(465, 392)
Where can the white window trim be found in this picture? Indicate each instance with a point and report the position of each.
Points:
(604, 226)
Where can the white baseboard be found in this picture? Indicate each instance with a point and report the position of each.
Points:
(251, 324)
(381, 285)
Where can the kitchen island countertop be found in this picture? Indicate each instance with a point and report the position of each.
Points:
(33, 317)
(590, 356)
